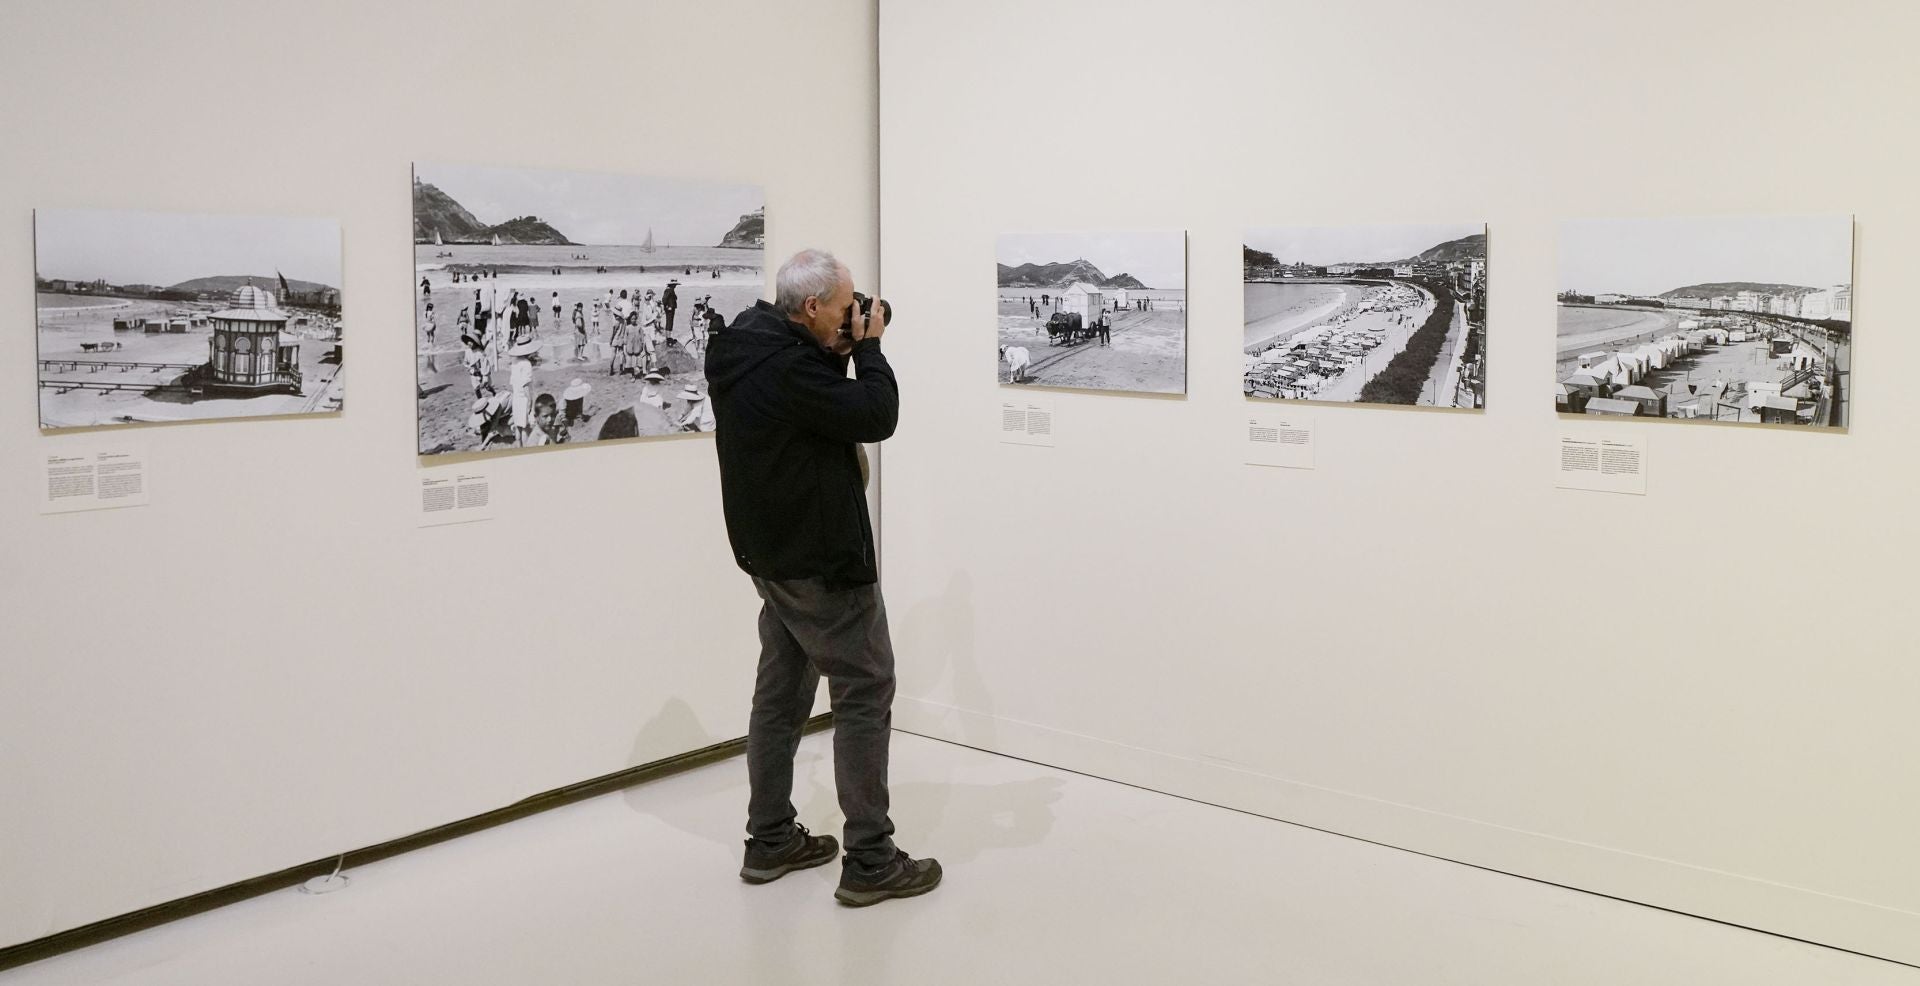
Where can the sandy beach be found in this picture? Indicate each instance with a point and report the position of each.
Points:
(63, 328)
(446, 391)
(1273, 312)
(1148, 351)
(1581, 330)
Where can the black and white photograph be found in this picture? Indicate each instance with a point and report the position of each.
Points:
(562, 307)
(1094, 311)
(1367, 314)
(156, 316)
(1738, 320)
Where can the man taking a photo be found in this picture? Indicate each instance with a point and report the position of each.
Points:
(789, 428)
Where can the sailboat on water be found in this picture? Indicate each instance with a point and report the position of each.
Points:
(647, 247)
(496, 239)
(436, 239)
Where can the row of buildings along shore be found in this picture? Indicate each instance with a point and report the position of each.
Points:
(1834, 303)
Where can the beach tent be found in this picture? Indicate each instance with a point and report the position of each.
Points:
(1085, 299)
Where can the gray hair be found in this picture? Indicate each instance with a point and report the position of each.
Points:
(809, 274)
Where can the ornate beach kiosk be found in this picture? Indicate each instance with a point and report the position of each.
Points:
(250, 352)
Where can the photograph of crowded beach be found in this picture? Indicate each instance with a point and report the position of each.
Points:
(559, 308)
(1734, 320)
(1094, 311)
(1367, 314)
(152, 316)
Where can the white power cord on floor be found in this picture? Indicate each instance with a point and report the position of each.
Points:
(330, 883)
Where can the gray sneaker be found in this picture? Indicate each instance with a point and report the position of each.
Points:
(800, 852)
(904, 877)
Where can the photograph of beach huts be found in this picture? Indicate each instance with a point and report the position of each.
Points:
(153, 316)
(559, 308)
(1367, 314)
(1094, 311)
(1735, 320)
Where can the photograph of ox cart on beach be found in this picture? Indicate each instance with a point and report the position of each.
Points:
(1094, 311)
(1367, 314)
(1732, 320)
(153, 316)
(560, 308)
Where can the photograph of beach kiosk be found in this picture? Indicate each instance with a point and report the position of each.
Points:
(559, 307)
(1094, 311)
(1735, 320)
(152, 316)
(1367, 314)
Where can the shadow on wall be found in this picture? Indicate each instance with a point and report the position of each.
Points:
(940, 663)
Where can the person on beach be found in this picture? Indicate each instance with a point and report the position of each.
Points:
(650, 392)
(547, 426)
(428, 316)
(618, 364)
(474, 355)
(1106, 330)
(426, 288)
(669, 303)
(650, 320)
(463, 322)
(698, 415)
(789, 427)
(520, 382)
(579, 331)
(556, 307)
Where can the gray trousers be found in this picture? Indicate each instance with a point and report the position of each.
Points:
(808, 630)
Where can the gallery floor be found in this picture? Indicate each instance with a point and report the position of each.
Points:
(1052, 877)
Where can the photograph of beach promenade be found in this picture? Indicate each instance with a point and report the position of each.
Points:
(559, 307)
(1094, 311)
(1367, 314)
(153, 316)
(1741, 320)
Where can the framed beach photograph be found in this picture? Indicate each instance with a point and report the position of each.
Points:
(562, 307)
(1094, 311)
(1383, 314)
(159, 316)
(1736, 320)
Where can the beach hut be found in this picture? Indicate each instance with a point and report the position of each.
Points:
(1586, 383)
(1652, 404)
(1085, 299)
(1612, 406)
(1653, 355)
(1777, 410)
(249, 354)
(1121, 299)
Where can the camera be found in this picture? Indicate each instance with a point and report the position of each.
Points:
(865, 305)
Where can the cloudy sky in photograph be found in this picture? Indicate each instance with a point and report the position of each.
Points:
(596, 208)
(1323, 245)
(1156, 259)
(165, 248)
(1653, 256)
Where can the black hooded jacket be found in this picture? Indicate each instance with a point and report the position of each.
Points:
(788, 422)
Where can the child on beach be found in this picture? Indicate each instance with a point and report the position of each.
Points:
(618, 364)
(650, 393)
(579, 331)
(547, 427)
(556, 308)
(429, 324)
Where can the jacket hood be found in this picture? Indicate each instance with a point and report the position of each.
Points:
(754, 336)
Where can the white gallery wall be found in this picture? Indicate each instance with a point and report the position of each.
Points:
(1701, 698)
(271, 663)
